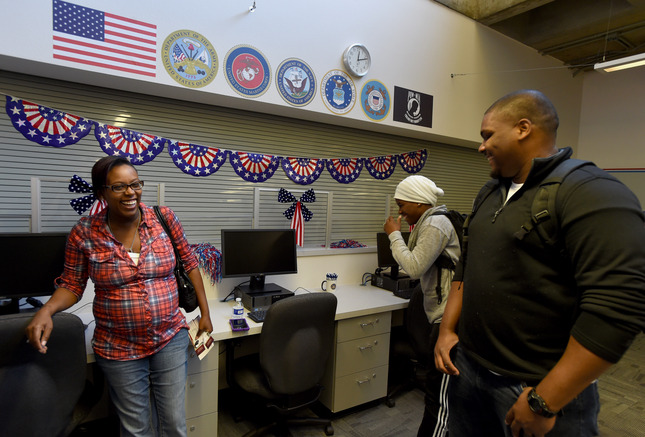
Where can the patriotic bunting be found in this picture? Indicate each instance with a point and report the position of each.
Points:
(297, 212)
(46, 126)
(381, 167)
(50, 127)
(82, 204)
(413, 162)
(303, 171)
(196, 160)
(254, 167)
(345, 170)
(137, 147)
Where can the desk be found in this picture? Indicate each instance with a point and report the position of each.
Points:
(357, 306)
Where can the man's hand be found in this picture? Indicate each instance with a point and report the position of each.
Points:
(445, 342)
(521, 418)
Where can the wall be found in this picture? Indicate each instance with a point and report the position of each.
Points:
(415, 44)
(612, 127)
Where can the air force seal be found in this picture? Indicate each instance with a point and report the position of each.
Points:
(338, 92)
(295, 82)
(189, 58)
(247, 71)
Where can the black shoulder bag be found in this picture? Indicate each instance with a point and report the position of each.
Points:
(185, 289)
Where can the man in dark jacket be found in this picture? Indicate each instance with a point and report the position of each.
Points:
(535, 324)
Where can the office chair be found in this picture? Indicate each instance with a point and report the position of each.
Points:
(39, 392)
(411, 348)
(295, 345)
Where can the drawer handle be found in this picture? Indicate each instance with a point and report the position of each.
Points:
(364, 325)
(192, 428)
(191, 385)
(362, 381)
(369, 346)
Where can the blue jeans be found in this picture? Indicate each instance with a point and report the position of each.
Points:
(479, 400)
(156, 382)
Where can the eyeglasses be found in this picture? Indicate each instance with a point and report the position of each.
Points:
(120, 188)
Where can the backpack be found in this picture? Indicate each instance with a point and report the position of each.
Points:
(457, 220)
(543, 217)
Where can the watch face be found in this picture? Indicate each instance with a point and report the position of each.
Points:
(357, 60)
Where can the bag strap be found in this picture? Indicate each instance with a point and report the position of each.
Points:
(164, 225)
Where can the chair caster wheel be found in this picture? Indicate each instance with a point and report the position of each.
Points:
(329, 430)
(390, 402)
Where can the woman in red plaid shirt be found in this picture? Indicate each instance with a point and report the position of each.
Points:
(141, 337)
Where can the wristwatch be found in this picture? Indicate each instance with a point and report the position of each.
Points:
(538, 406)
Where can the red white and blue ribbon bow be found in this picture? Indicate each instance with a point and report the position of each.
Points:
(46, 126)
(82, 204)
(297, 212)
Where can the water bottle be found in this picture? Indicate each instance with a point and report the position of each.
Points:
(238, 309)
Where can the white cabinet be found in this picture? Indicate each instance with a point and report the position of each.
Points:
(357, 371)
(201, 393)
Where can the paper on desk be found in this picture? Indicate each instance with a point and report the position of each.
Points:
(202, 344)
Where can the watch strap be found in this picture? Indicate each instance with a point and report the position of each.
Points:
(538, 405)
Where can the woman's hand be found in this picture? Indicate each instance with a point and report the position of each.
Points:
(205, 325)
(39, 330)
(392, 225)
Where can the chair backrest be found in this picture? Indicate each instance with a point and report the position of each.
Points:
(418, 327)
(38, 392)
(296, 341)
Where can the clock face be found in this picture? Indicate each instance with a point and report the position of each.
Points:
(357, 60)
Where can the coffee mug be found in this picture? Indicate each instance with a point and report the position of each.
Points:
(329, 282)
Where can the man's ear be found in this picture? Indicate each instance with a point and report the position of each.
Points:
(524, 127)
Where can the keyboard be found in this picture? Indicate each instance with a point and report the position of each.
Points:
(257, 315)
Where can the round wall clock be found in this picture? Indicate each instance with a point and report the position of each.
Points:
(357, 60)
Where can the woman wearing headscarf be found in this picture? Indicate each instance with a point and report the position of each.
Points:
(432, 235)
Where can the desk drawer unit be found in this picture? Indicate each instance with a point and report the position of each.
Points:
(201, 394)
(357, 372)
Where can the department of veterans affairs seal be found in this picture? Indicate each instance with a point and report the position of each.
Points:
(247, 71)
(189, 58)
(338, 92)
(375, 100)
(295, 82)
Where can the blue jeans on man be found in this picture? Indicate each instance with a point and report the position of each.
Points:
(479, 399)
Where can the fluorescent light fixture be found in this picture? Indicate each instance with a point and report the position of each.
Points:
(621, 64)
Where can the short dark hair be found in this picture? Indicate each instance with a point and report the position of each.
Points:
(101, 169)
(530, 104)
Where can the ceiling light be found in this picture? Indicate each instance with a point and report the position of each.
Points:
(621, 64)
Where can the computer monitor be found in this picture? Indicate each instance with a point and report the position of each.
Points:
(29, 264)
(384, 255)
(256, 253)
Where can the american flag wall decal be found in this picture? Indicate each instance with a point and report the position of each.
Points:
(101, 39)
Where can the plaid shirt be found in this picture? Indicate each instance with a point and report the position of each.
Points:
(135, 305)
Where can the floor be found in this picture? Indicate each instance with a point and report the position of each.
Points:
(622, 396)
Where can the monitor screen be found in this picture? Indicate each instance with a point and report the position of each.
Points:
(29, 263)
(384, 255)
(258, 252)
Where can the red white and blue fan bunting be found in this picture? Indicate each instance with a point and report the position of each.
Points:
(82, 204)
(297, 212)
(303, 171)
(345, 170)
(254, 167)
(381, 167)
(46, 126)
(413, 162)
(139, 148)
(196, 160)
